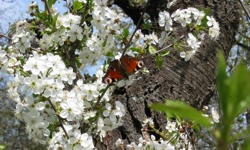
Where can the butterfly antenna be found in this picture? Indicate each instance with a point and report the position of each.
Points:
(137, 27)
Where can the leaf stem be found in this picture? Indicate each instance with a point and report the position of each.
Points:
(137, 27)
(101, 96)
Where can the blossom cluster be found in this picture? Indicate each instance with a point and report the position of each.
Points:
(44, 94)
(186, 17)
(170, 132)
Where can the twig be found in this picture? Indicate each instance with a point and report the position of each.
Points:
(244, 8)
(84, 13)
(2, 35)
(137, 27)
(243, 45)
(101, 96)
(60, 120)
(160, 50)
(164, 48)
(68, 6)
(243, 35)
(47, 7)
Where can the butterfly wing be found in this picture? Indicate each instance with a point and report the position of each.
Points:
(113, 73)
(129, 64)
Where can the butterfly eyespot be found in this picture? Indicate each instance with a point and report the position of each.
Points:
(108, 80)
(140, 64)
(122, 69)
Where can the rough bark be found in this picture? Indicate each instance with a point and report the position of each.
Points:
(192, 81)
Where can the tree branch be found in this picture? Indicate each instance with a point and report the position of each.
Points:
(2, 35)
(244, 8)
(243, 35)
(247, 47)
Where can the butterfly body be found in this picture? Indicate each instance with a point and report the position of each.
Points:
(119, 69)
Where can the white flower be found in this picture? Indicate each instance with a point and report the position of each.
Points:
(165, 21)
(67, 20)
(34, 84)
(215, 115)
(148, 121)
(171, 126)
(151, 39)
(31, 65)
(32, 8)
(118, 142)
(71, 109)
(182, 16)
(214, 29)
(90, 91)
(84, 1)
(171, 3)
(120, 110)
(187, 55)
(193, 41)
(75, 32)
(101, 2)
(86, 141)
(45, 42)
(3, 57)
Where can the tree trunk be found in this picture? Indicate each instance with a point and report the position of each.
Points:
(192, 81)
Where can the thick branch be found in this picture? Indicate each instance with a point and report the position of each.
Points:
(247, 47)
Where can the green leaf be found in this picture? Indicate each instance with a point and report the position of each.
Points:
(136, 49)
(77, 6)
(220, 81)
(246, 144)
(125, 33)
(78, 63)
(233, 91)
(51, 3)
(159, 61)
(152, 50)
(110, 54)
(182, 110)
(54, 19)
(234, 95)
(2, 147)
(164, 53)
(147, 26)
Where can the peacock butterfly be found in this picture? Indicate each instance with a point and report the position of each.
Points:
(119, 69)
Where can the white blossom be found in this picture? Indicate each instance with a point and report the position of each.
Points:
(165, 21)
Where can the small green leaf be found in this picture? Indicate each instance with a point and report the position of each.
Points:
(222, 87)
(78, 63)
(182, 110)
(164, 53)
(77, 6)
(125, 33)
(110, 54)
(51, 3)
(138, 50)
(2, 147)
(147, 26)
(159, 61)
(152, 50)
(54, 19)
(22, 60)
